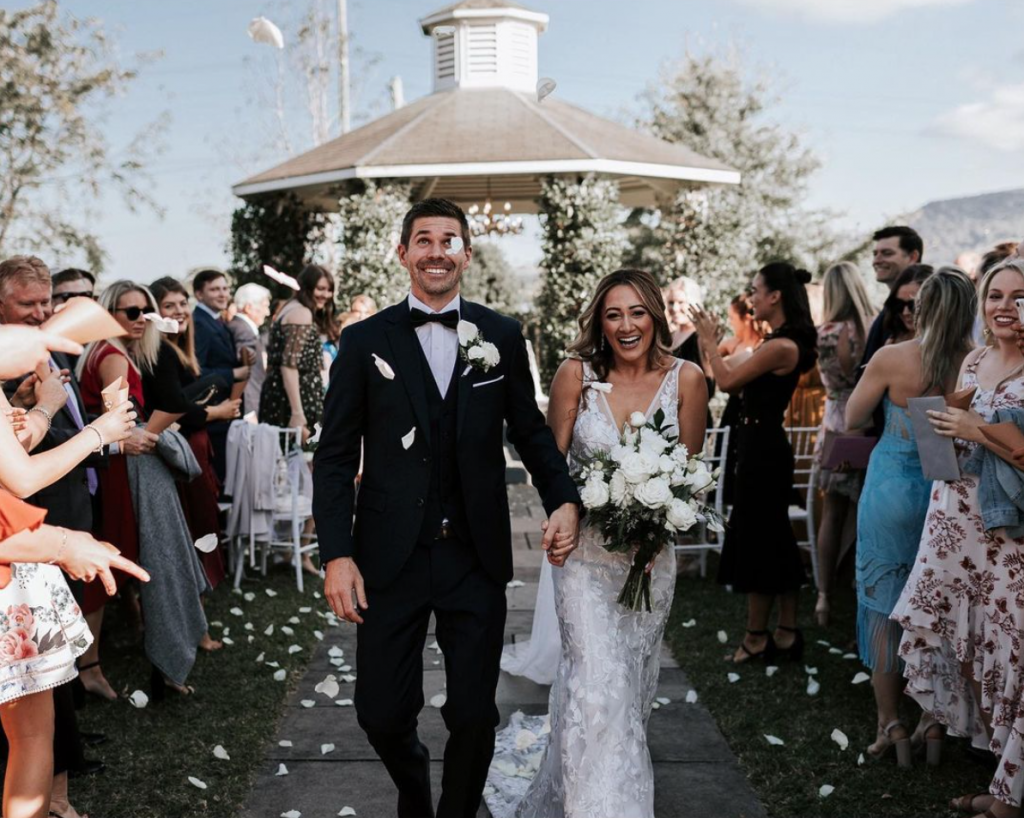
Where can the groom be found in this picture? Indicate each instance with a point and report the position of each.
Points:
(432, 530)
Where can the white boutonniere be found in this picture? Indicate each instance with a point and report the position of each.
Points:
(474, 350)
(383, 367)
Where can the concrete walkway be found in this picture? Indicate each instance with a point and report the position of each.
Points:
(695, 772)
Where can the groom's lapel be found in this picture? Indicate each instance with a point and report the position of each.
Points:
(467, 312)
(408, 364)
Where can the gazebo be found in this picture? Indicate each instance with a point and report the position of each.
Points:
(482, 133)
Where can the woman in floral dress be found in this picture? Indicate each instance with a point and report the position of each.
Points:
(963, 605)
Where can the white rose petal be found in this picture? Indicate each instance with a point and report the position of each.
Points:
(455, 246)
(284, 743)
(383, 367)
(860, 678)
(839, 737)
(335, 652)
(690, 623)
(273, 664)
(663, 701)
(655, 493)
(249, 626)
(770, 671)
(467, 331)
(259, 659)
(328, 687)
(545, 85)
(269, 631)
(345, 811)
(835, 651)
(409, 438)
(237, 612)
(294, 620)
(733, 678)
(601, 386)
(515, 583)
(723, 637)
(281, 770)
(651, 441)
(206, 543)
(344, 702)
(195, 782)
(315, 437)
(138, 699)
(438, 700)
(850, 656)
(637, 419)
(287, 631)
(860, 759)
(271, 592)
(812, 686)
(348, 678)
(280, 675)
(691, 697)
(227, 641)
(680, 515)
(810, 671)
(775, 741)
(221, 753)
(307, 703)
(248, 596)
(595, 492)
(826, 790)
(319, 635)
(292, 649)
(655, 706)
(292, 813)
(326, 748)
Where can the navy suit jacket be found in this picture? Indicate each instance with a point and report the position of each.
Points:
(215, 346)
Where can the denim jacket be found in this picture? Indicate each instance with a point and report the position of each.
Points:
(1000, 485)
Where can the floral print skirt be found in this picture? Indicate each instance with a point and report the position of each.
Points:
(42, 631)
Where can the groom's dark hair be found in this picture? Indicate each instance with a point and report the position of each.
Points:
(428, 208)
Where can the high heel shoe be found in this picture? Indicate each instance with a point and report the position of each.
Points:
(767, 653)
(822, 610)
(928, 738)
(793, 651)
(885, 741)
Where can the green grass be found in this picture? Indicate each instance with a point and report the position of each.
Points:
(151, 752)
(787, 778)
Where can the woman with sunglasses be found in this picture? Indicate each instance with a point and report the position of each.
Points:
(898, 312)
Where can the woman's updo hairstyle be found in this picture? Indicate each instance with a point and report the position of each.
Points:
(790, 282)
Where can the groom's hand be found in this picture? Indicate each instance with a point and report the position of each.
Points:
(561, 533)
(341, 580)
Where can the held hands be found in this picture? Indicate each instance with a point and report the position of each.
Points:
(561, 533)
(85, 558)
(139, 442)
(343, 587)
(959, 423)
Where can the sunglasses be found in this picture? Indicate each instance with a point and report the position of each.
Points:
(900, 305)
(60, 298)
(135, 313)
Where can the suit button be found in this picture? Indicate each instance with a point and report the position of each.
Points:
(420, 503)
(426, 459)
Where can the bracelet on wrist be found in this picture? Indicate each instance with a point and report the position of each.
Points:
(102, 443)
(61, 548)
(45, 413)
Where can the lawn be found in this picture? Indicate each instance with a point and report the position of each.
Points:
(152, 752)
(787, 778)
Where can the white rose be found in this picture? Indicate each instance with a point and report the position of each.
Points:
(651, 441)
(595, 493)
(667, 465)
(637, 419)
(491, 355)
(681, 515)
(618, 452)
(678, 477)
(680, 454)
(618, 489)
(637, 467)
(699, 478)
(467, 331)
(655, 493)
(476, 352)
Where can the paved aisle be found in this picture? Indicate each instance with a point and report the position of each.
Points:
(695, 772)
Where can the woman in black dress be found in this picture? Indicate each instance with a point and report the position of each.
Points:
(760, 556)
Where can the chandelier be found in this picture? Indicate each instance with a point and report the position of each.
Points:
(483, 221)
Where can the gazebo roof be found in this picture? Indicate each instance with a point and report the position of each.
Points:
(469, 144)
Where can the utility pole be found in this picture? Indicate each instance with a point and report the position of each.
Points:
(344, 82)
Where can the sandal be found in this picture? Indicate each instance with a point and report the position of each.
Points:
(767, 653)
(885, 741)
(929, 738)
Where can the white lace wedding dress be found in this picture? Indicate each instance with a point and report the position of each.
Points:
(588, 758)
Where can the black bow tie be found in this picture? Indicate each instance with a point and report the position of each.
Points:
(449, 319)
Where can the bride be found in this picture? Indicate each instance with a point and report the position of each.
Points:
(596, 761)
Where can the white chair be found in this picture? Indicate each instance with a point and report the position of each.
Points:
(705, 540)
(805, 480)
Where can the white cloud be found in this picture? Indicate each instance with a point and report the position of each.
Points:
(997, 122)
(847, 11)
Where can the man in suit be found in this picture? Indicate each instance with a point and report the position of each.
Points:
(896, 248)
(215, 349)
(432, 530)
(253, 303)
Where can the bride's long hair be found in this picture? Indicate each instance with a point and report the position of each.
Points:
(590, 345)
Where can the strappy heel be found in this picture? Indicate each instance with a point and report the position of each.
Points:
(904, 755)
(767, 653)
(795, 651)
(928, 740)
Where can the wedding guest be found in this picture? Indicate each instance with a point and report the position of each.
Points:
(253, 302)
(72, 283)
(896, 248)
(215, 348)
(683, 293)
(760, 557)
(961, 609)
(173, 385)
(894, 500)
(848, 314)
(145, 488)
(898, 312)
(363, 306)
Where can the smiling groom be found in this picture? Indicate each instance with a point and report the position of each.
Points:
(423, 390)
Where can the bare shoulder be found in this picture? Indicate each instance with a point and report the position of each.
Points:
(298, 314)
(569, 376)
(692, 380)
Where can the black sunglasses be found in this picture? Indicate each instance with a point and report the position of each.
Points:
(899, 304)
(60, 298)
(134, 313)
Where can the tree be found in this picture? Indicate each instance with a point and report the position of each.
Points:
(720, 234)
(56, 72)
(370, 226)
(490, 279)
(582, 242)
(276, 230)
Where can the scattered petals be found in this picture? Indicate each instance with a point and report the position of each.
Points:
(269, 631)
(293, 649)
(860, 678)
(227, 640)
(516, 583)
(307, 703)
(860, 759)
(138, 699)
(655, 706)
(237, 612)
(662, 700)
(319, 635)
(690, 623)
(850, 656)
(723, 637)
(335, 651)
(775, 741)
(326, 748)
(280, 278)
(691, 696)
(839, 737)
(248, 596)
(261, 30)
(733, 677)
(294, 620)
(271, 592)
(287, 631)
(835, 651)
(280, 675)
(383, 367)
(206, 543)
(438, 700)
(824, 644)
(344, 702)
(281, 770)
(771, 670)
(315, 437)
(348, 678)
(810, 671)
(812, 686)
(221, 753)
(348, 810)
(259, 659)
(284, 743)
(328, 687)
(292, 813)
(168, 326)
(826, 790)
(195, 782)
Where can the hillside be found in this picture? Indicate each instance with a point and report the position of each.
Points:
(952, 226)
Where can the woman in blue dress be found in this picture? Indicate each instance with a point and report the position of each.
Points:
(895, 497)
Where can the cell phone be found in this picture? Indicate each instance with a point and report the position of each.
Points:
(1020, 310)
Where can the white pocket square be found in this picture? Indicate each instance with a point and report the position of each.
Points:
(383, 367)
(486, 383)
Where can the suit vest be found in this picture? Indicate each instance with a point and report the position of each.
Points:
(444, 499)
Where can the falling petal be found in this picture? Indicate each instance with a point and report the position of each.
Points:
(826, 790)
(438, 700)
(280, 675)
(839, 737)
(733, 678)
(221, 753)
(139, 699)
(206, 543)
(383, 367)
(195, 782)
(454, 246)
(408, 438)
(770, 671)
(723, 637)
(812, 686)
(691, 697)
(168, 326)
(315, 437)
(281, 278)
(261, 30)
(775, 741)
(860, 678)
(326, 748)
(545, 85)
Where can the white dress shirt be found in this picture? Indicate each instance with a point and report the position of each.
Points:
(440, 344)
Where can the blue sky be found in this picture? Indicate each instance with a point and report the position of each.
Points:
(904, 101)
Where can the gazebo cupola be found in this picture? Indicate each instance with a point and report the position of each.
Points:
(485, 44)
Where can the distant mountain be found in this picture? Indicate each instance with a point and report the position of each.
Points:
(953, 226)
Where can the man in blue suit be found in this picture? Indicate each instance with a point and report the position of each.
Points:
(215, 348)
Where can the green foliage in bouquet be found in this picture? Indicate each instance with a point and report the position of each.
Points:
(643, 492)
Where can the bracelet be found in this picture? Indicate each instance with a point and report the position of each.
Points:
(100, 436)
(63, 545)
(45, 413)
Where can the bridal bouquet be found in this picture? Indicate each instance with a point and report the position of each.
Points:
(642, 492)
